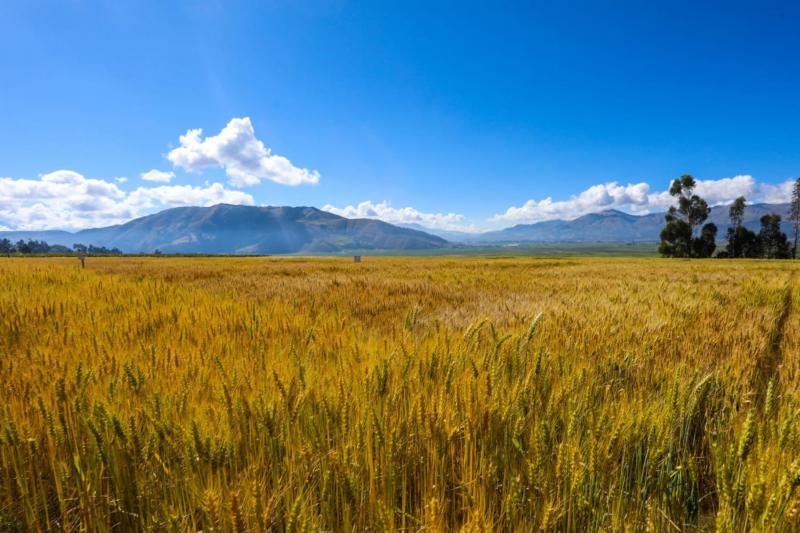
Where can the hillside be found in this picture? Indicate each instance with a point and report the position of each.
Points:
(616, 226)
(234, 229)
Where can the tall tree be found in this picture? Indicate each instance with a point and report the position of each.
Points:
(736, 212)
(741, 241)
(22, 247)
(705, 244)
(794, 215)
(678, 236)
(691, 206)
(6, 247)
(772, 242)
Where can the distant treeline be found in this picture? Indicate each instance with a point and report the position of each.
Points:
(686, 235)
(32, 247)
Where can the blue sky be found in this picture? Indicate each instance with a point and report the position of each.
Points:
(465, 114)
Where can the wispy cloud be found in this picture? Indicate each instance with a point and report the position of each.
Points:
(244, 158)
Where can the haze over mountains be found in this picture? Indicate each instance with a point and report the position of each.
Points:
(235, 229)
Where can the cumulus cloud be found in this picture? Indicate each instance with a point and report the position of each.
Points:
(65, 199)
(403, 215)
(182, 195)
(776, 194)
(244, 158)
(157, 175)
(121, 179)
(595, 198)
(637, 198)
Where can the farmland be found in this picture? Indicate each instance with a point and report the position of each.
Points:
(435, 393)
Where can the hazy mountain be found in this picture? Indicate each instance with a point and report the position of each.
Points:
(449, 235)
(234, 229)
(616, 226)
(49, 236)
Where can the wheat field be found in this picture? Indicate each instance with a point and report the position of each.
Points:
(436, 394)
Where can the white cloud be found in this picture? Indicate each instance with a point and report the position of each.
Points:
(403, 215)
(121, 179)
(65, 199)
(609, 195)
(183, 195)
(244, 158)
(726, 190)
(776, 194)
(157, 175)
(637, 198)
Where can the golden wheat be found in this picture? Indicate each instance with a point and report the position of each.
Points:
(470, 394)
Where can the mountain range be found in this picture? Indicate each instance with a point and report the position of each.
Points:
(234, 229)
(610, 226)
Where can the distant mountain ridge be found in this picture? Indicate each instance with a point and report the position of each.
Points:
(236, 229)
(615, 226)
(233, 229)
(448, 235)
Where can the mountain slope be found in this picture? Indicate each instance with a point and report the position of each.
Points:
(232, 229)
(616, 226)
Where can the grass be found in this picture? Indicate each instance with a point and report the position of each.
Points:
(472, 393)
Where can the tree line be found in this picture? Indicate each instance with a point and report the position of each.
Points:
(31, 247)
(687, 234)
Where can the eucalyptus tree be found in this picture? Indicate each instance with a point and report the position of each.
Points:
(680, 237)
(794, 214)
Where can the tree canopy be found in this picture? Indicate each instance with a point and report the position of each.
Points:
(678, 236)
